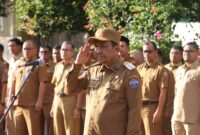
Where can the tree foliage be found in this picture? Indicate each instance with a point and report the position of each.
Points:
(4, 5)
(142, 20)
(2, 8)
(44, 17)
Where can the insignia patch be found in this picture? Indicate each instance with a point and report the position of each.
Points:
(165, 74)
(134, 83)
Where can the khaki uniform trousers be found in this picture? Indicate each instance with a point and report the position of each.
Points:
(166, 128)
(147, 118)
(10, 125)
(179, 128)
(48, 120)
(63, 121)
(27, 121)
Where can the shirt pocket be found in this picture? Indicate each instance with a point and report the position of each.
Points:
(18, 74)
(93, 86)
(112, 92)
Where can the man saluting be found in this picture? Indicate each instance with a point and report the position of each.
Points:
(113, 99)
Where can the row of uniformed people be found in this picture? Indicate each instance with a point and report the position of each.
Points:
(29, 96)
(168, 94)
(107, 82)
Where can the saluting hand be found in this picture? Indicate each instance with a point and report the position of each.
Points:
(84, 54)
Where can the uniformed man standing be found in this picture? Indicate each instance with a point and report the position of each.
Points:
(45, 53)
(154, 90)
(113, 88)
(15, 50)
(3, 85)
(3, 78)
(124, 51)
(28, 105)
(175, 57)
(186, 116)
(64, 103)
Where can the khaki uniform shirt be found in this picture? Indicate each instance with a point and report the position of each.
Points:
(12, 68)
(187, 98)
(171, 91)
(3, 74)
(113, 99)
(49, 91)
(29, 94)
(154, 77)
(173, 68)
(59, 77)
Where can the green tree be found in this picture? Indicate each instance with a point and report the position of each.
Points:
(142, 20)
(2, 8)
(45, 17)
(4, 4)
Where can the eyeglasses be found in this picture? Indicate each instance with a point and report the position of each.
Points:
(65, 50)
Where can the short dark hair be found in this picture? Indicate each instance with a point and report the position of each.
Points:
(69, 43)
(178, 47)
(153, 44)
(32, 42)
(17, 41)
(1, 47)
(125, 39)
(57, 47)
(193, 44)
(46, 46)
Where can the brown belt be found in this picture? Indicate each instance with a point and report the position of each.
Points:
(148, 102)
(61, 94)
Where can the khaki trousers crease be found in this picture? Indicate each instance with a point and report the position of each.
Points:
(48, 120)
(10, 125)
(64, 123)
(27, 121)
(147, 118)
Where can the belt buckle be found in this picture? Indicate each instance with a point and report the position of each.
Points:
(61, 94)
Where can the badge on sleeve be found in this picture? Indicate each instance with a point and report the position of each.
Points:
(165, 74)
(134, 83)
